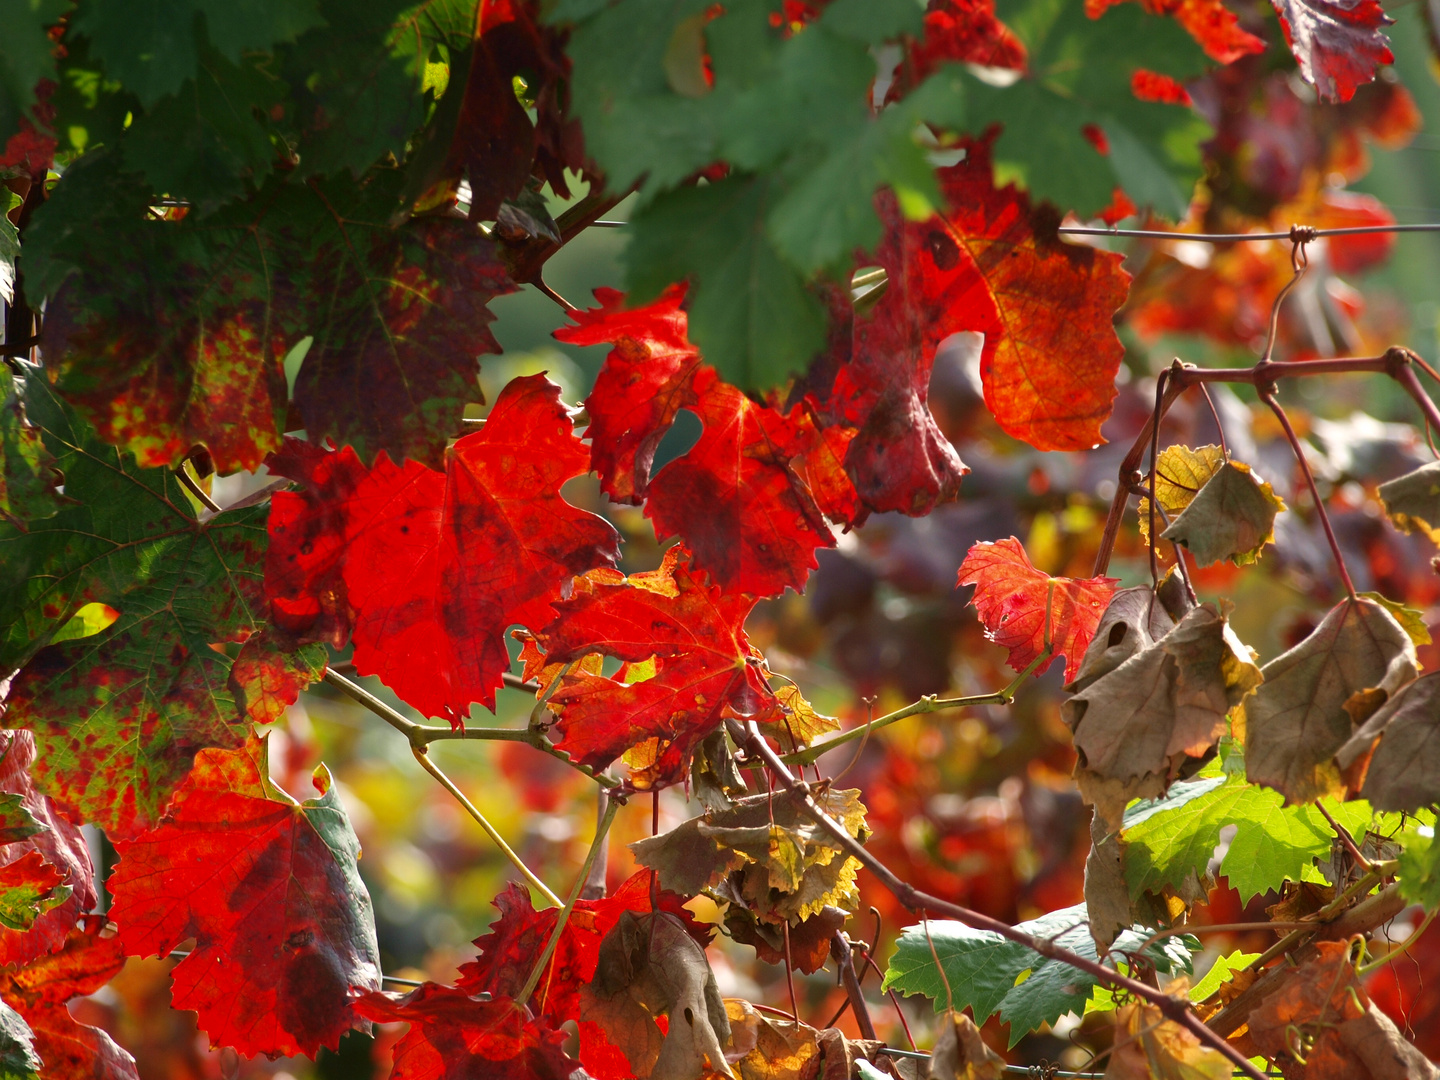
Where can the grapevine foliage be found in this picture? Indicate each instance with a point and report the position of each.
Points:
(255, 261)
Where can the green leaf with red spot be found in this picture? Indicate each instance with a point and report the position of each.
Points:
(270, 672)
(269, 889)
(167, 333)
(119, 715)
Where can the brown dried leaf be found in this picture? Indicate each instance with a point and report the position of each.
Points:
(1232, 517)
(1320, 1025)
(809, 939)
(1393, 760)
(1182, 472)
(1165, 704)
(1413, 500)
(762, 1048)
(961, 1054)
(1149, 1047)
(1134, 620)
(649, 965)
(1298, 720)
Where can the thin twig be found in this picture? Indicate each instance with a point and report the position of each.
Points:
(1172, 1008)
(928, 704)
(1230, 238)
(1346, 839)
(423, 757)
(1267, 395)
(844, 959)
(602, 830)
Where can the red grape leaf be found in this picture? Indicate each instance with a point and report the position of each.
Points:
(958, 31)
(742, 496)
(704, 670)
(119, 714)
(39, 992)
(270, 672)
(269, 889)
(1337, 43)
(36, 829)
(454, 1036)
(1209, 22)
(1046, 307)
(1022, 608)
(29, 887)
(646, 380)
(738, 498)
(427, 568)
(518, 937)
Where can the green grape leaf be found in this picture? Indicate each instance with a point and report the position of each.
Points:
(1078, 79)
(1420, 870)
(991, 974)
(750, 313)
(204, 141)
(1169, 840)
(153, 46)
(27, 469)
(27, 54)
(1220, 973)
(18, 1060)
(118, 716)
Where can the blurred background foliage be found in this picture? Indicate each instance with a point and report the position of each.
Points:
(977, 805)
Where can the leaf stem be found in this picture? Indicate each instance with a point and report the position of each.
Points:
(422, 735)
(1267, 395)
(602, 830)
(928, 704)
(1172, 1008)
(1401, 949)
(423, 757)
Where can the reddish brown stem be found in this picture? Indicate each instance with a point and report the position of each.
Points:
(840, 950)
(1172, 1008)
(1267, 395)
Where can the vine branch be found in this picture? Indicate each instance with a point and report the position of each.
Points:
(1171, 1008)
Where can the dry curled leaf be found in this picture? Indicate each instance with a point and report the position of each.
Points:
(1358, 657)
(1232, 517)
(1393, 760)
(762, 1048)
(1413, 500)
(1180, 473)
(960, 1053)
(1150, 1047)
(649, 965)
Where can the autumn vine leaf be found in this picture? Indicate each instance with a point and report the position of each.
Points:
(147, 691)
(1214, 26)
(1413, 500)
(1338, 45)
(454, 1036)
(1231, 517)
(40, 990)
(404, 559)
(282, 922)
(1029, 612)
(704, 667)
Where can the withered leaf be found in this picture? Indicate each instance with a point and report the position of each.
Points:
(1180, 474)
(809, 939)
(762, 1048)
(1376, 1041)
(1393, 760)
(1150, 1047)
(1413, 500)
(1136, 725)
(1232, 517)
(960, 1053)
(1134, 620)
(649, 965)
(1298, 718)
(785, 863)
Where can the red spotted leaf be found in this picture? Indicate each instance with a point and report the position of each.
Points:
(29, 887)
(454, 1036)
(1023, 609)
(958, 31)
(704, 666)
(646, 380)
(119, 713)
(1210, 22)
(270, 672)
(427, 569)
(40, 990)
(269, 889)
(36, 831)
(1337, 43)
